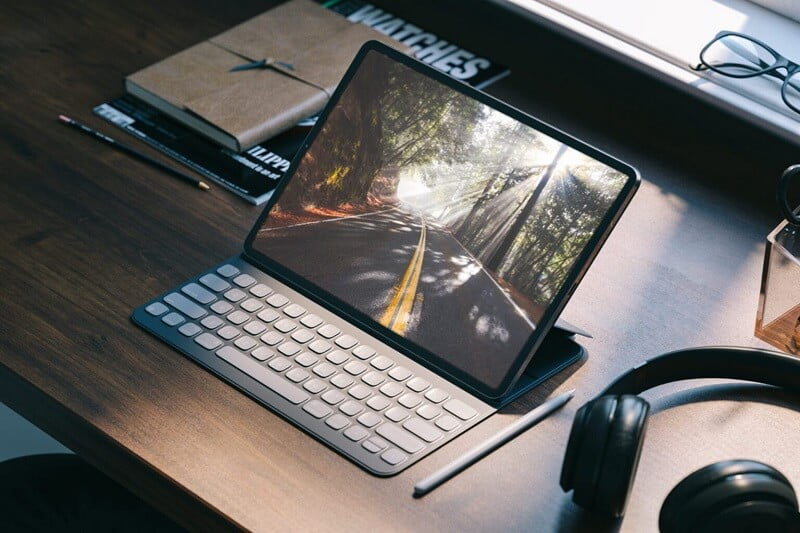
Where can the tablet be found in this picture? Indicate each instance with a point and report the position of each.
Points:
(443, 221)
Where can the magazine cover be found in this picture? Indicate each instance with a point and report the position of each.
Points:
(252, 174)
(442, 55)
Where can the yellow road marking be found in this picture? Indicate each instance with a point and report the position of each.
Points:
(399, 309)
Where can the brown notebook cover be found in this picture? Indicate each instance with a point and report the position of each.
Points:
(307, 48)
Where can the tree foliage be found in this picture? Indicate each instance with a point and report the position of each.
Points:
(389, 117)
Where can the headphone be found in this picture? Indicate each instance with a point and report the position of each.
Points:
(608, 432)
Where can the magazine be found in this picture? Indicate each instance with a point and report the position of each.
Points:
(442, 55)
(252, 174)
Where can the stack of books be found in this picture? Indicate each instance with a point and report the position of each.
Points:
(237, 106)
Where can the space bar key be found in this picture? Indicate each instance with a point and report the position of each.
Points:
(262, 375)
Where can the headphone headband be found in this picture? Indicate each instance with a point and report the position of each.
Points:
(727, 362)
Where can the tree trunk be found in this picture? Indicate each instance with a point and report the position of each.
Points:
(496, 260)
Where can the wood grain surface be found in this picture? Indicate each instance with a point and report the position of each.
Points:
(88, 234)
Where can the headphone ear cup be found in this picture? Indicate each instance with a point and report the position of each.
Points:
(730, 496)
(621, 458)
(608, 423)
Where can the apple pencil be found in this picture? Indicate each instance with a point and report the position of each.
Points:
(482, 450)
(132, 152)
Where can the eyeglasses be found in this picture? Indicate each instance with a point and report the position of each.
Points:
(737, 55)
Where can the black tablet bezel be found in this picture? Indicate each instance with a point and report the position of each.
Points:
(416, 352)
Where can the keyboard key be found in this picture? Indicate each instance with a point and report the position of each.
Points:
(396, 414)
(311, 321)
(422, 429)
(373, 378)
(185, 305)
(244, 280)
(306, 359)
(319, 346)
(212, 322)
(208, 341)
(417, 384)
(156, 309)
(436, 395)
(369, 419)
(262, 353)
(393, 456)
(355, 367)
(359, 392)
(333, 396)
(245, 343)
(271, 338)
(227, 271)
(315, 386)
(238, 317)
(351, 408)
(381, 362)
(364, 352)
(190, 329)
(268, 315)
(234, 295)
(279, 364)
(275, 383)
(329, 331)
(400, 373)
(285, 325)
(400, 438)
(228, 333)
(302, 336)
(173, 319)
(294, 310)
(277, 300)
(324, 370)
(460, 409)
(337, 422)
(198, 293)
(221, 307)
(375, 444)
(254, 327)
(409, 401)
(260, 290)
(289, 348)
(337, 357)
(346, 342)
(447, 422)
(251, 305)
(355, 433)
(342, 381)
(317, 409)
(215, 283)
(391, 389)
(428, 412)
(378, 403)
(297, 375)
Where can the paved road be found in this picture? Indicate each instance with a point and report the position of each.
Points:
(412, 276)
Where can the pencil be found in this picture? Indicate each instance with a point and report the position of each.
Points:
(132, 152)
(482, 450)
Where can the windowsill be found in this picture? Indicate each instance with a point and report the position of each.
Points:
(664, 40)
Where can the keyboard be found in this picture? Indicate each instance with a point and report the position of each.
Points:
(370, 403)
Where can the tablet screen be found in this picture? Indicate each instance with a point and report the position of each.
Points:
(438, 216)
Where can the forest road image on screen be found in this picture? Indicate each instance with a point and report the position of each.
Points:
(442, 219)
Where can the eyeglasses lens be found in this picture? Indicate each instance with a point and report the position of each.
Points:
(737, 56)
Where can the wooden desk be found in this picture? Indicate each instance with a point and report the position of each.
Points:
(88, 234)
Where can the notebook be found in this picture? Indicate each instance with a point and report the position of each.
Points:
(403, 278)
(259, 78)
